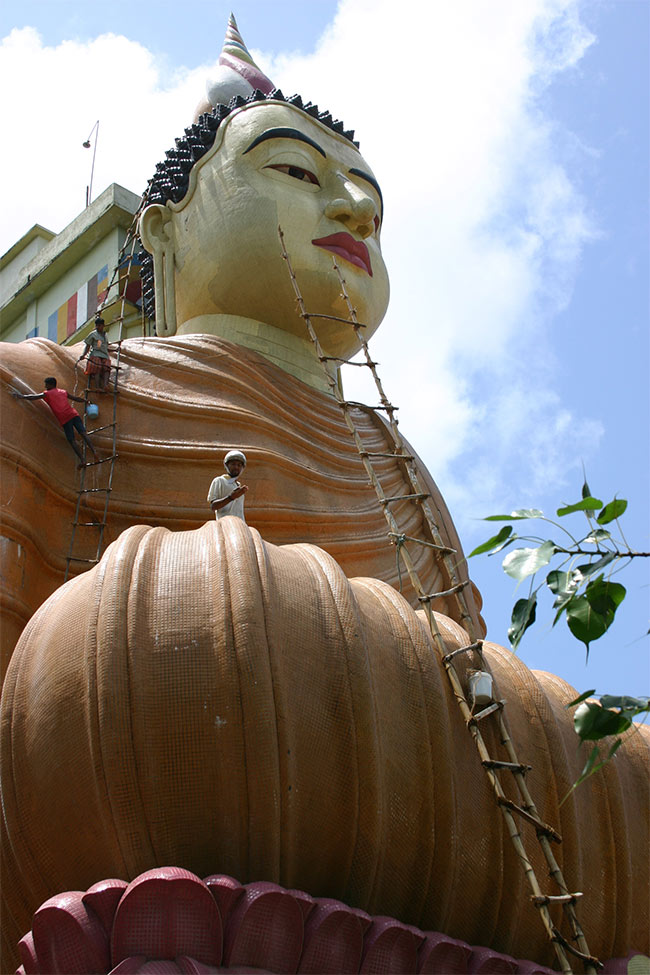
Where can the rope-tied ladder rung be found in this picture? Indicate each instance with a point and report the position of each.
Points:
(385, 453)
(527, 816)
(452, 591)
(332, 318)
(540, 899)
(388, 407)
(517, 767)
(401, 539)
(405, 497)
(337, 358)
(102, 460)
(474, 719)
(584, 956)
(475, 647)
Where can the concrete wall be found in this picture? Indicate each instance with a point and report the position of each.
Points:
(18, 257)
(40, 274)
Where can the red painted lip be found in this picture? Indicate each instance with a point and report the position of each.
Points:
(354, 251)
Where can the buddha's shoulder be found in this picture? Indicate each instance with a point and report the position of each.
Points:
(219, 369)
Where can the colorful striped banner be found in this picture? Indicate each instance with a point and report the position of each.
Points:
(76, 311)
(102, 284)
(82, 305)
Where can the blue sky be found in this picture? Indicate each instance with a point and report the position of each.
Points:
(511, 141)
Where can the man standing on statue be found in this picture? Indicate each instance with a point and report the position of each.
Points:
(99, 359)
(226, 494)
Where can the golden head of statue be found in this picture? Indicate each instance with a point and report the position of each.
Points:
(253, 163)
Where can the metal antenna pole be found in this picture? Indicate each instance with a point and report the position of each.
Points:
(86, 145)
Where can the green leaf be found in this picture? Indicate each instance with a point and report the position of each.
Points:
(560, 582)
(520, 515)
(637, 705)
(613, 749)
(564, 585)
(587, 504)
(523, 616)
(594, 755)
(611, 511)
(584, 622)
(591, 766)
(604, 596)
(598, 535)
(496, 542)
(583, 697)
(593, 722)
(561, 608)
(583, 572)
(525, 562)
(586, 493)
(505, 544)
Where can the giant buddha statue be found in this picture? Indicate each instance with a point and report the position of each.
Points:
(231, 363)
(260, 700)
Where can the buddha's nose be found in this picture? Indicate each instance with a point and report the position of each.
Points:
(356, 210)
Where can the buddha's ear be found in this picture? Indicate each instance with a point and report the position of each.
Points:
(157, 235)
(156, 228)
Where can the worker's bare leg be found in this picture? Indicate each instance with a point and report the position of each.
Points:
(90, 444)
(77, 452)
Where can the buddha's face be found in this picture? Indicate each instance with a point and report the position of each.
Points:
(271, 166)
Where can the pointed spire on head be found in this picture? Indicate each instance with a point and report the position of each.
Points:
(236, 74)
(235, 53)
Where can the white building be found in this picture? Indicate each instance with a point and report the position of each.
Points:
(51, 285)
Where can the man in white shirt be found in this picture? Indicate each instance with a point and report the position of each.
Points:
(226, 494)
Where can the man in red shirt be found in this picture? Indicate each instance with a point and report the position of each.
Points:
(57, 400)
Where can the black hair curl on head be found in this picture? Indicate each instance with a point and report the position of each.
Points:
(171, 179)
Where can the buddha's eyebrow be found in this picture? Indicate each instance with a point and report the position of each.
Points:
(370, 179)
(284, 134)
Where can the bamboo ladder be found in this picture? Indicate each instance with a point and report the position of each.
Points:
(527, 809)
(98, 524)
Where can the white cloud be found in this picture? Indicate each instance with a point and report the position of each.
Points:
(63, 90)
(483, 233)
(484, 224)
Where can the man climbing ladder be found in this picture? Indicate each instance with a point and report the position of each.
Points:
(57, 400)
(99, 357)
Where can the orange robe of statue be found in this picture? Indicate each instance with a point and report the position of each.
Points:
(208, 700)
(182, 403)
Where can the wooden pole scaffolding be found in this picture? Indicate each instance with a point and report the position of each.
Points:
(417, 495)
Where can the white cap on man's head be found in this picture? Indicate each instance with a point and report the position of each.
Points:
(234, 455)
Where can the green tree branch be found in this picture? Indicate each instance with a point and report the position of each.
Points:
(584, 593)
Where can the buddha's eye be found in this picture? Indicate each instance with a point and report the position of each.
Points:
(297, 172)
